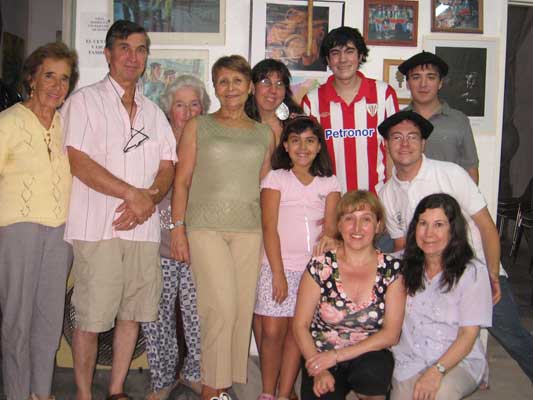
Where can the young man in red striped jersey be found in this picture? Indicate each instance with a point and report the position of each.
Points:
(350, 106)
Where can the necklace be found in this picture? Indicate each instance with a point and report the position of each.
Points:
(130, 112)
(48, 141)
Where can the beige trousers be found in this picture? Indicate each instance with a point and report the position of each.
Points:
(225, 267)
(455, 385)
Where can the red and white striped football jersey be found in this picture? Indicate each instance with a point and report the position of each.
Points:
(355, 147)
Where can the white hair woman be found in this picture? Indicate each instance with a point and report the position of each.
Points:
(183, 99)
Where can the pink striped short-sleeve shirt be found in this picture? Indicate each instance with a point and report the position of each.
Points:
(96, 123)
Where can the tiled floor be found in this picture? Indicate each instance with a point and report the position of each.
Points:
(507, 381)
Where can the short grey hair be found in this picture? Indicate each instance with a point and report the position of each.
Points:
(181, 82)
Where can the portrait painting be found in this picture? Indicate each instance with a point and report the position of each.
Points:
(473, 69)
(390, 23)
(459, 16)
(464, 86)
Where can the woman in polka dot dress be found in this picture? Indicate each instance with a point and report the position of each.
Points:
(350, 309)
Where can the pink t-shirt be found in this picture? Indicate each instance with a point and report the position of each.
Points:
(300, 210)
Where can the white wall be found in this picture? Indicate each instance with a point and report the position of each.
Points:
(44, 20)
(237, 37)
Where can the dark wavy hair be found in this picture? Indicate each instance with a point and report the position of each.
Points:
(260, 71)
(455, 256)
(340, 37)
(321, 165)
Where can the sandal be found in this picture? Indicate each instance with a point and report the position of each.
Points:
(266, 396)
(118, 396)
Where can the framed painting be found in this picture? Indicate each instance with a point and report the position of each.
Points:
(469, 85)
(164, 66)
(279, 29)
(396, 79)
(390, 22)
(175, 21)
(457, 16)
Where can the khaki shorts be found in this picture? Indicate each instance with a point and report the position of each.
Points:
(115, 279)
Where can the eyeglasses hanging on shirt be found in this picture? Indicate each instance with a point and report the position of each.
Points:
(137, 136)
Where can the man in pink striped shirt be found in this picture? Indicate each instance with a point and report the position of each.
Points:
(122, 151)
(350, 106)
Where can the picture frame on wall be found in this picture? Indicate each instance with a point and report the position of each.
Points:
(469, 85)
(175, 21)
(390, 23)
(278, 29)
(457, 16)
(165, 65)
(396, 79)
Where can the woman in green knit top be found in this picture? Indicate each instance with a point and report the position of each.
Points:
(217, 218)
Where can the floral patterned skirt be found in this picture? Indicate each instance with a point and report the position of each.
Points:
(265, 305)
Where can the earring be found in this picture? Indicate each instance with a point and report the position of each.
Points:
(32, 89)
(282, 112)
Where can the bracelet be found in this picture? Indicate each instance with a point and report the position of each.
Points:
(179, 222)
(336, 355)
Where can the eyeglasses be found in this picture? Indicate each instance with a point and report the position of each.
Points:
(268, 83)
(409, 138)
(137, 138)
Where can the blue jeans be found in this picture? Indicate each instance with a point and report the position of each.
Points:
(509, 331)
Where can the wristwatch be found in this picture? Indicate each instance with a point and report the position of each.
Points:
(441, 368)
(179, 222)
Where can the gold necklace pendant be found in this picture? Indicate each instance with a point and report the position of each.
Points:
(48, 141)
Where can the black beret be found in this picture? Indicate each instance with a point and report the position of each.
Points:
(424, 58)
(425, 126)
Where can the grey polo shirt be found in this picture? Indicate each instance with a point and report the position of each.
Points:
(452, 139)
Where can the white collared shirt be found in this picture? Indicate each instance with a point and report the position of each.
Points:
(400, 198)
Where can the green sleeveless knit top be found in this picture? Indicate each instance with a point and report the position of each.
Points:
(224, 193)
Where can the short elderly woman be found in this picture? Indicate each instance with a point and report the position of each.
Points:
(440, 355)
(350, 309)
(34, 192)
(222, 157)
(182, 100)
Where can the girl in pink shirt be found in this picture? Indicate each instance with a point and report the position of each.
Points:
(298, 201)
